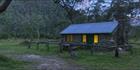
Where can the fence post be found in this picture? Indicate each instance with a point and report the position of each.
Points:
(61, 47)
(37, 46)
(48, 46)
(29, 44)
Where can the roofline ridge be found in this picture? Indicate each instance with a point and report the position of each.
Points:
(93, 23)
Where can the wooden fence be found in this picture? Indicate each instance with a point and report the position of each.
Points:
(47, 43)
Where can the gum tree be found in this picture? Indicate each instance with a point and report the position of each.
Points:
(4, 5)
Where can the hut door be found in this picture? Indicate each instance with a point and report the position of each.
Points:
(90, 39)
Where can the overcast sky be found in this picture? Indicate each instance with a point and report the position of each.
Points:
(89, 4)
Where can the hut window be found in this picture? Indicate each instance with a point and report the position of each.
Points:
(96, 39)
(84, 38)
(69, 38)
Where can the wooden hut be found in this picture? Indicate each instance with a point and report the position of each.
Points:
(89, 33)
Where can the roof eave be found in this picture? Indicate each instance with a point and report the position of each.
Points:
(84, 33)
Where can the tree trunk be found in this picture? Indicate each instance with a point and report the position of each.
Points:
(38, 34)
(116, 52)
(5, 5)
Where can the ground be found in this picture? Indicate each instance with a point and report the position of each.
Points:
(15, 56)
(32, 59)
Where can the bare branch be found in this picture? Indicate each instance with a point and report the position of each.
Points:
(5, 5)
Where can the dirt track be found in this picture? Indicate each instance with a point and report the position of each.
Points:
(47, 62)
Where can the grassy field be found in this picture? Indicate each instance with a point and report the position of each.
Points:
(6, 63)
(95, 61)
(13, 47)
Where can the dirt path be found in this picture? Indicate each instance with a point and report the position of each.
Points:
(47, 62)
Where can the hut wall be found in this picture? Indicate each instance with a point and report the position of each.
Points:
(105, 37)
(74, 38)
(77, 38)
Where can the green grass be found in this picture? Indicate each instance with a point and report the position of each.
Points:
(11, 64)
(13, 47)
(107, 61)
(95, 61)
(6, 63)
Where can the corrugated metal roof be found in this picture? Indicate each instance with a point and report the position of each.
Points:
(91, 28)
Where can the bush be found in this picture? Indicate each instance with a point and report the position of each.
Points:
(4, 58)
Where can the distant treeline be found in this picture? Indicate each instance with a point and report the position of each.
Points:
(45, 18)
(32, 19)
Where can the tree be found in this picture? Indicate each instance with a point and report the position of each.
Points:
(32, 18)
(120, 10)
(69, 7)
(5, 5)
